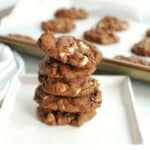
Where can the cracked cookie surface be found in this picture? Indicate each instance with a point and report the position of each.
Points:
(68, 104)
(73, 88)
(54, 69)
(70, 50)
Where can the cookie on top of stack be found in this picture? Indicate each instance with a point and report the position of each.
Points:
(67, 94)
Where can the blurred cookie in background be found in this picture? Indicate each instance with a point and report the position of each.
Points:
(72, 13)
(111, 23)
(142, 48)
(60, 25)
(100, 36)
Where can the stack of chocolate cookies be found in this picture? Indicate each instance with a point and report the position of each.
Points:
(67, 94)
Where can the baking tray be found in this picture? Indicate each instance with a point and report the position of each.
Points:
(135, 33)
(115, 122)
(108, 65)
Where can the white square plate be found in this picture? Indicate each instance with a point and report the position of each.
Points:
(114, 123)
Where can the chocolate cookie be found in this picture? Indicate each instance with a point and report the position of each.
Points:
(70, 50)
(100, 36)
(74, 88)
(68, 104)
(63, 118)
(72, 13)
(71, 88)
(112, 24)
(58, 25)
(133, 59)
(142, 48)
(54, 69)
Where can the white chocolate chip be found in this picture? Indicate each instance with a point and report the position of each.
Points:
(83, 45)
(97, 100)
(62, 55)
(84, 61)
(63, 88)
(45, 97)
(91, 83)
(71, 50)
(78, 91)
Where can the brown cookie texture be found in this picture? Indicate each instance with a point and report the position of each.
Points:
(142, 48)
(133, 59)
(64, 87)
(59, 25)
(68, 104)
(70, 89)
(111, 23)
(70, 50)
(100, 36)
(51, 68)
(63, 118)
(72, 13)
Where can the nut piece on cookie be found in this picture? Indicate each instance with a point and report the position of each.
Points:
(60, 25)
(70, 50)
(98, 35)
(133, 59)
(112, 24)
(72, 13)
(142, 48)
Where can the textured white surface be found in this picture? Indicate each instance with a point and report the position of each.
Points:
(115, 121)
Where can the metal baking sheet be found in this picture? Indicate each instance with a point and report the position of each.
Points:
(135, 33)
(115, 122)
